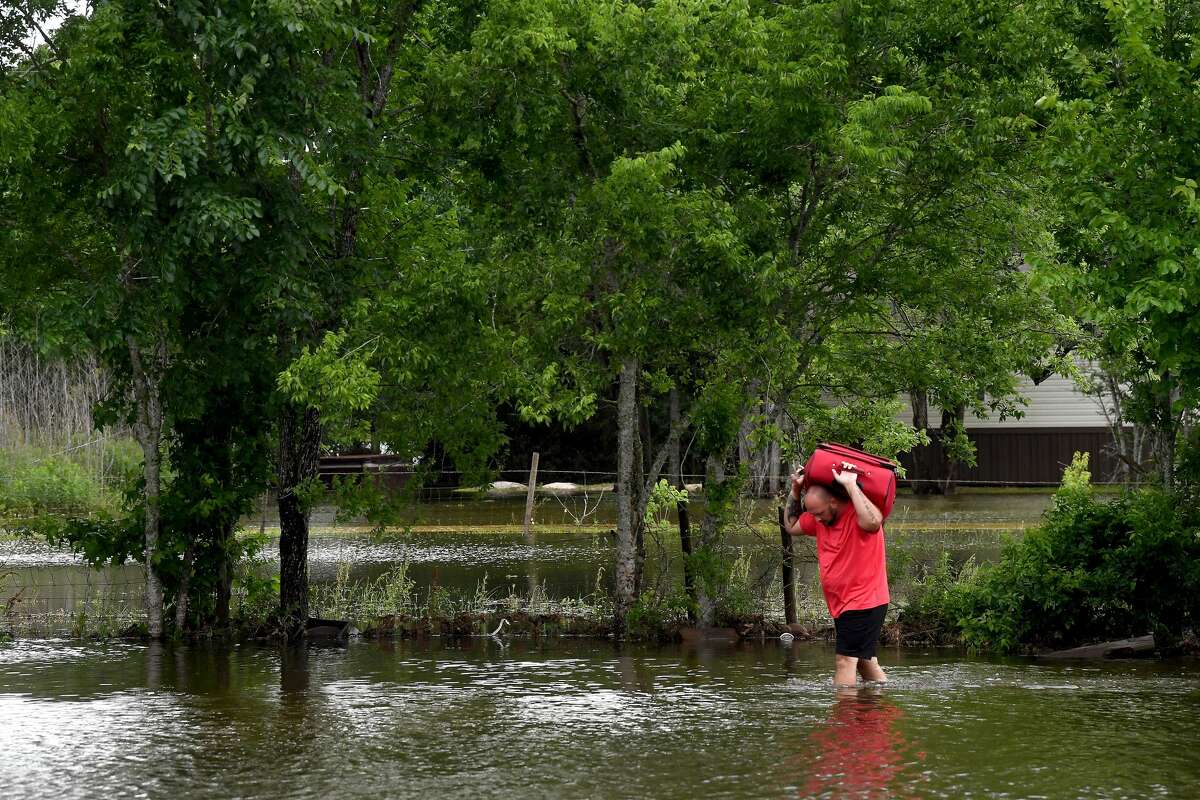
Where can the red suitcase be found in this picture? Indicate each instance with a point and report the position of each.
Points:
(876, 475)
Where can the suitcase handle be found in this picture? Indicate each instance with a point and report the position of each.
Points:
(853, 468)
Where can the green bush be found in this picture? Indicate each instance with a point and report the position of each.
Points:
(1187, 463)
(654, 616)
(35, 481)
(932, 604)
(1094, 570)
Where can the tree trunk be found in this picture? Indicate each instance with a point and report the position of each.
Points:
(185, 585)
(746, 455)
(643, 485)
(789, 575)
(1165, 455)
(924, 477)
(775, 480)
(148, 425)
(1165, 428)
(299, 453)
(681, 509)
(627, 428)
(762, 463)
(706, 601)
(952, 424)
(1166, 431)
(225, 577)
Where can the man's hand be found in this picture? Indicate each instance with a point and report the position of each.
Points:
(847, 477)
(797, 479)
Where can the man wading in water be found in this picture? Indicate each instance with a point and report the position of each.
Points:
(849, 532)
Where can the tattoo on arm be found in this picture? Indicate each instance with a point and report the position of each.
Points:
(793, 508)
(869, 516)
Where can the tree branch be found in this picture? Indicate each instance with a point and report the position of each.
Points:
(32, 21)
(660, 458)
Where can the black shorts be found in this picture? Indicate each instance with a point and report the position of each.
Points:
(858, 631)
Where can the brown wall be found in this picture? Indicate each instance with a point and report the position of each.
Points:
(1032, 456)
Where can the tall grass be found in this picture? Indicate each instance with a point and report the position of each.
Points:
(52, 458)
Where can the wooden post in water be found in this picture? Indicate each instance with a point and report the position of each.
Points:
(681, 508)
(789, 578)
(529, 494)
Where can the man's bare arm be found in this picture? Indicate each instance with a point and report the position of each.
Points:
(793, 509)
(869, 517)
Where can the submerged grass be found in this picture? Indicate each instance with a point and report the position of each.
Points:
(98, 617)
(393, 604)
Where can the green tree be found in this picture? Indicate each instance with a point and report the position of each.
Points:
(159, 177)
(744, 201)
(623, 270)
(919, 205)
(1122, 111)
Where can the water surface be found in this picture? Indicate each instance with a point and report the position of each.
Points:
(580, 719)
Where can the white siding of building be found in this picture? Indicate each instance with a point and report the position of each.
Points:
(1054, 403)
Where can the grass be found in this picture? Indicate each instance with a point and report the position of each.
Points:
(395, 594)
(37, 481)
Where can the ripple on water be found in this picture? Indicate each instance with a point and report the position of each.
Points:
(580, 719)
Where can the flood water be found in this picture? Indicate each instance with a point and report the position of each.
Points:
(581, 719)
(567, 718)
(463, 543)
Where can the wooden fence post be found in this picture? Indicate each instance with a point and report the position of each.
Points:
(529, 494)
(789, 578)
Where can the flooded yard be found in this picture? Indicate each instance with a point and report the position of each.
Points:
(468, 545)
(564, 717)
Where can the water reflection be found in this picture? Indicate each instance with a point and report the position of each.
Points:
(154, 665)
(634, 674)
(293, 674)
(857, 751)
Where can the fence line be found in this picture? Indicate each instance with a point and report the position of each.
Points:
(699, 477)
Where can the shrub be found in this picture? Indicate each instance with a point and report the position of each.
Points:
(932, 603)
(33, 483)
(1092, 571)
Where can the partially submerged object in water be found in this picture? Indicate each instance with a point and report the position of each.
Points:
(506, 489)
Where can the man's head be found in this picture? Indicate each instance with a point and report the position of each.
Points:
(822, 502)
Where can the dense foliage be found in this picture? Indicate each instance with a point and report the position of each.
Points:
(1096, 569)
(1123, 138)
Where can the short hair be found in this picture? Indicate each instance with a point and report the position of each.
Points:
(835, 490)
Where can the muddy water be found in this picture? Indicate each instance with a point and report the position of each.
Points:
(481, 719)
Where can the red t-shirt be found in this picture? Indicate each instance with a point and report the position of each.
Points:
(852, 562)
